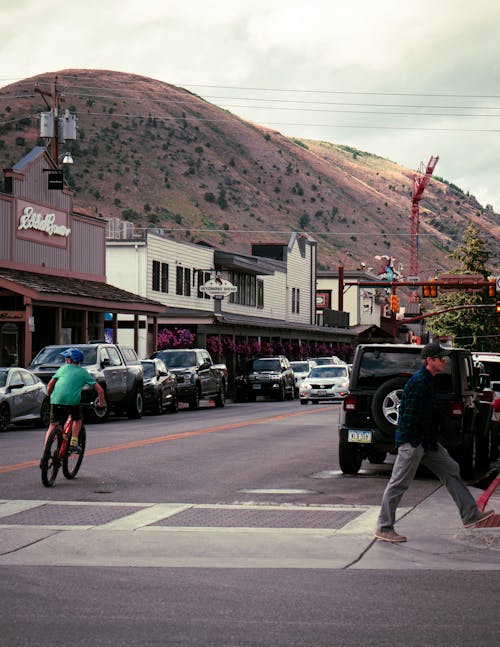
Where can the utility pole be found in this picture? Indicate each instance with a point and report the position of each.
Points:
(55, 100)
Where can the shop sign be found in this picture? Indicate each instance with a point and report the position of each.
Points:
(41, 224)
(323, 299)
(11, 315)
(218, 288)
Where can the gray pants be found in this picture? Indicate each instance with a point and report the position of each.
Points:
(403, 473)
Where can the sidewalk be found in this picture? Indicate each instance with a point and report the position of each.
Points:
(193, 535)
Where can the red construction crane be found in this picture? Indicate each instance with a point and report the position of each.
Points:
(419, 181)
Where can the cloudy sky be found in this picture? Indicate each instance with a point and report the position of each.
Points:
(402, 79)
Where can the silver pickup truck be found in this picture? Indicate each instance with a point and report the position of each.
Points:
(116, 368)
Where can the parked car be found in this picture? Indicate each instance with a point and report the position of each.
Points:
(160, 387)
(272, 376)
(197, 376)
(300, 369)
(117, 369)
(331, 359)
(23, 398)
(369, 413)
(328, 382)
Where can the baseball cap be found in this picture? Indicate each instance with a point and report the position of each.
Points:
(434, 349)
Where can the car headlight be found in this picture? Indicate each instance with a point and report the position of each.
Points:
(305, 386)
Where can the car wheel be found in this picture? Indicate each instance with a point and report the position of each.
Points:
(220, 400)
(468, 460)
(304, 401)
(385, 404)
(281, 392)
(134, 408)
(97, 413)
(44, 420)
(158, 405)
(4, 417)
(174, 405)
(195, 400)
(349, 458)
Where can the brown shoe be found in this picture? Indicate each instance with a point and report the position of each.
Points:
(481, 517)
(389, 535)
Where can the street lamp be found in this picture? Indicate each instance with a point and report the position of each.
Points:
(66, 158)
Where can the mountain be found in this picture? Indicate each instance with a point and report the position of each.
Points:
(161, 157)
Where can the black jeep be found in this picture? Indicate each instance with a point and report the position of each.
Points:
(370, 411)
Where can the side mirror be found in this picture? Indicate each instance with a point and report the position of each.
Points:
(483, 381)
(105, 362)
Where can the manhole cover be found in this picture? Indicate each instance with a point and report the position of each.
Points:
(258, 518)
(67, 515)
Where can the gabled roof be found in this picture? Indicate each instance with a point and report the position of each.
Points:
(29, 158)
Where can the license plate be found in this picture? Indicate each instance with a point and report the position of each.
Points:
(255, 387)
(321, 392)
(355, 436)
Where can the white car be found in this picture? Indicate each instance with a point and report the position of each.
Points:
(301, 369)
(328, 382)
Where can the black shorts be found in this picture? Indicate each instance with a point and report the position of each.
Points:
(59, 413)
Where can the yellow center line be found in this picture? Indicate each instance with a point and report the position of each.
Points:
(162, 439)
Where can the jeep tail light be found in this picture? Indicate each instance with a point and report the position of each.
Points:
(457, 409)
(350, 403)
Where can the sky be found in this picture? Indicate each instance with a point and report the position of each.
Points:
(398, 78)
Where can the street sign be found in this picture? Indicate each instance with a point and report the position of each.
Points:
(218, 288)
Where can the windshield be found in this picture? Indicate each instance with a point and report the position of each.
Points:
(300, 367)
(52, 355)
(321, 361)
(178, 358)
(329, 371)
(264, 365)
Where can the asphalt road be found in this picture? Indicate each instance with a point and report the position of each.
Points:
(124, 574)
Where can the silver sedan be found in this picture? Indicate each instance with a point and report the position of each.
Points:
(23, 398)
(328, 382)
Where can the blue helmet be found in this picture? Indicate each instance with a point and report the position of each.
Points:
(75, 354)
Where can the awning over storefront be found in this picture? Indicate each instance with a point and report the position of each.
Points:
(60, 290)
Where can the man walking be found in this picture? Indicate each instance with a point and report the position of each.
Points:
(416, 442)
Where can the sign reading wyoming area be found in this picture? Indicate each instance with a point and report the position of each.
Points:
(218, 288)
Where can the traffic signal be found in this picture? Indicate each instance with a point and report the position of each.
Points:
(394, 303)
(430, 291)
(492, 289)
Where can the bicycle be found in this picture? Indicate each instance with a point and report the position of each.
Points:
(56, 453)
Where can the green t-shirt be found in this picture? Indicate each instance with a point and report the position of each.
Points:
(70, 379)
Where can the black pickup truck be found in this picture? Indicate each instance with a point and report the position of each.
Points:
(197, 376)
(116, 368)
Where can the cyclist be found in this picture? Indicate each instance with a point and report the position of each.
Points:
(65, 390)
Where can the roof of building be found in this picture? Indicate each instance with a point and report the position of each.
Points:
(64, 289)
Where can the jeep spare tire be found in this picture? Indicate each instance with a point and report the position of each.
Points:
(385, 404)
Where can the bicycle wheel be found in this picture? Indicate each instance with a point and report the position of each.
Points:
(71, 462)
(50, 460)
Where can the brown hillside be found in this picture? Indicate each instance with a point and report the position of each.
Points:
(161, 157)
